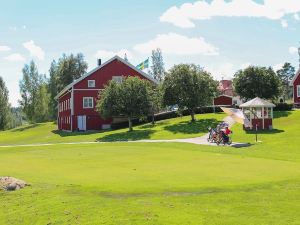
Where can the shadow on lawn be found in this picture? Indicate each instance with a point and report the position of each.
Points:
(274, 131)
(192, 127)
(278, 114)
(26, 128)
(75, 133)
(127, 136)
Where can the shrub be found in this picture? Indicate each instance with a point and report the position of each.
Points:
(283, 107)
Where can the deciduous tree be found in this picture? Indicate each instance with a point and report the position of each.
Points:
(129, 98)
(5, 110)
(257, 81)
(34, 94)
(189, 87)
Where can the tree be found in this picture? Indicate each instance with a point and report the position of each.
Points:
(53, 89)
(157, 68)
(5, 110)
(188, 86)
(129, 98)
(257, 82)
(70, 68)
(63, 72)
(34, 96)
(155, 96)
(286, 74)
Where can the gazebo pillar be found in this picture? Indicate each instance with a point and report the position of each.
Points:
(263, 117)
(272, 113)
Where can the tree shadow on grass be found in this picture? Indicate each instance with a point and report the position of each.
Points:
(274, 131)
(26, 127)
(278, 114)
(134, 135)
(75, 133)
(150, 125)
(192, 127)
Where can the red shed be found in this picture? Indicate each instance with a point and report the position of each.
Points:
(296, 88)
(223, 100)
(77, 101)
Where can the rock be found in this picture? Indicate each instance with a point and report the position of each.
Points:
(11, 187)
(11, 183)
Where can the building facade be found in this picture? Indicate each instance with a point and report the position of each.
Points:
(77, 101)
(296, 89)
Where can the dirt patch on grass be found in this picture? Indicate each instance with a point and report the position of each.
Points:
(11, 183)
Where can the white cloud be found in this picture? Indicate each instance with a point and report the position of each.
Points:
(245, 65)
(104, 54)
(24, 27)
(184, 15)
(222, 71)
(278, 66)
(296, 16)
(293, 50)
(4, 48)
(34, 50)
(15, 57)
(178, 45)
(284, 23)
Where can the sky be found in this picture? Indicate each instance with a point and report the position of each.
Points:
(222, 36)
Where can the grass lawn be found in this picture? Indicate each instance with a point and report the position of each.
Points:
(180, 127)
(154, 183)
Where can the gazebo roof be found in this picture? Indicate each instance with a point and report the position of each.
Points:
(257, 102)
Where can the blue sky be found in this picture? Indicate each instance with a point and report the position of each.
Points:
(220, 35)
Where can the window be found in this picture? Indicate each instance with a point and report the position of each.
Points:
(88, 102)
(118, 79)
(298, 90)
(91, 83)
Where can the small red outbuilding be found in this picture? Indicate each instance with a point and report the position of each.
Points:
(223, 100)
(77, 101)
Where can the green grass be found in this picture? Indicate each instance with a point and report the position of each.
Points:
(155, 183)
(180, 127)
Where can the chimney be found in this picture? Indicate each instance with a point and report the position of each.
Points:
(99, 62)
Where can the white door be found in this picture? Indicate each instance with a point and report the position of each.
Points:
(81, 120)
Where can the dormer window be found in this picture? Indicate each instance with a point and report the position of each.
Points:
(118, 79)
(91, 83)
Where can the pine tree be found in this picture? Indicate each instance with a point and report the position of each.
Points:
(286, 74)
(157, 68)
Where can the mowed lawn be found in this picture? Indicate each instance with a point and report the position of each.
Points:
(156, 183)
(180, 127)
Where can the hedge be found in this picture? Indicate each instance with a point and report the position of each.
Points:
(283, 107)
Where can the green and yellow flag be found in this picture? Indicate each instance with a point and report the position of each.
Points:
(143, 65)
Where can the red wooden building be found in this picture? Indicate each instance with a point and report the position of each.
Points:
(77, 101)
(296, 88)
(259, 112)
(223, 100)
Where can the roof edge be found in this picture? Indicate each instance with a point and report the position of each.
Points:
(99, 67)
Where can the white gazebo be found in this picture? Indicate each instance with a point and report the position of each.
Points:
(259, 112)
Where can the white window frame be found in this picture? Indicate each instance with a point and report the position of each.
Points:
(93, 82)
(118, 79)
(88, 99)
(298, 90)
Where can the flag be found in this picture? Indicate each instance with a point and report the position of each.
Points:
(143, 65)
